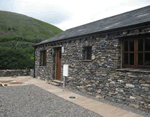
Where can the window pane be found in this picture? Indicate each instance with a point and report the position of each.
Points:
(131, 58)
(125, 45)
(41, 58)
(126, 58)
(84, 54)
(44, 58)
(89, 49)
(147, 45)
(140, 58)
(88, 56)
(131, 45)
(87, 52)
(147, 59)
(140, 45)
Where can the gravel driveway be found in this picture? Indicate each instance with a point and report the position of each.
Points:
(32, 101)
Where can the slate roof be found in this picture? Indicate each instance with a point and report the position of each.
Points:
(130, 18)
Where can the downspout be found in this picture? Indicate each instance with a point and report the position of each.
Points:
(34, 63)
(121, 54)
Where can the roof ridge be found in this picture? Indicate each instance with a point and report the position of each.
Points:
(129, 18)
(109, 17)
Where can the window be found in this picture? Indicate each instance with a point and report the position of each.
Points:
(87, 52)
(43, 58)
(136, 53)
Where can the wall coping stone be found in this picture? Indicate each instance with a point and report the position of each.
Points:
(16, 72)
(134, 70)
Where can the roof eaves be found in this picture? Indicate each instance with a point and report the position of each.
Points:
(105, 31)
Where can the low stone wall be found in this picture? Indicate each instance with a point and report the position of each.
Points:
(17, 72)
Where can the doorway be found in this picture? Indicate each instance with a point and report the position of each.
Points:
(58, 63)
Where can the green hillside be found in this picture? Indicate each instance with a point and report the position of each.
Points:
(17, 35)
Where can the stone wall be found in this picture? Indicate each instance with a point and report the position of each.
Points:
(44, 72)
(4, 73)
(127, 87)
(100, 76)
(105, 57)
(131, 87)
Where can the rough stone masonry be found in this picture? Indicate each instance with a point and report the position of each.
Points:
(102, 76)
(15, 72)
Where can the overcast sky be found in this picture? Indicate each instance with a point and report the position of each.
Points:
(66, 14)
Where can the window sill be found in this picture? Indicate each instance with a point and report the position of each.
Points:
(86, 60)
(83, 60)
(134, 70)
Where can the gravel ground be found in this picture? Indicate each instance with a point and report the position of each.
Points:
(32, 101)
(122, 106)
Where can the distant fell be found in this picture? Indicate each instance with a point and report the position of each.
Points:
(18, 25)
(17, 35)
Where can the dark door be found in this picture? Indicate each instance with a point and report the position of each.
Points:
(58, 63)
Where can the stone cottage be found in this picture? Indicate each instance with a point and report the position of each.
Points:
(108, 58)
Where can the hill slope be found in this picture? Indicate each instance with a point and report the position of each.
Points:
(17, 35)
(17, 25)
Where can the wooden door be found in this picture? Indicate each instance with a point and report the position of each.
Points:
(58, 63)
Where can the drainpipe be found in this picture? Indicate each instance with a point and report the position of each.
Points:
(34, 63)
(64, 82)
(121, 54)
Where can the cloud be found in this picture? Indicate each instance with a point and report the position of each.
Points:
(71, 13)
(43, 10)
(7, 5)
(52, 15)
(97, 9)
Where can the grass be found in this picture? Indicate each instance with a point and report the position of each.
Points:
(17, 35)
(18, 25)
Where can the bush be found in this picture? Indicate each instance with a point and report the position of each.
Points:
(16, 58)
